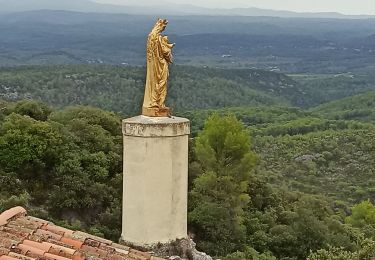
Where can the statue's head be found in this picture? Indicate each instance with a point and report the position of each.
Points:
(161, 24)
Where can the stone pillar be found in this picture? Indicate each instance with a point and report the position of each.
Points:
(155, 179)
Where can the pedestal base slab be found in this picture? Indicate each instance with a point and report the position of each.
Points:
(156, 112)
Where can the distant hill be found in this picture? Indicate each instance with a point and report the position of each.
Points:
(359, 107)
(121, 88)
(163, 8)
(268, 43)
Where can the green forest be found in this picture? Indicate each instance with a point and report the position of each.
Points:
(120, 88)
(265, 181)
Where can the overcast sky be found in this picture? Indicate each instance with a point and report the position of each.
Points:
(342, 6)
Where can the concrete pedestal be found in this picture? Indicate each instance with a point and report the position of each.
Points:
(155, 179)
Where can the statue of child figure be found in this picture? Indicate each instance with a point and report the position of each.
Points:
(167, 49)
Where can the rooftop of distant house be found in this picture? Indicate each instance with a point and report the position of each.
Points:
(29, 238)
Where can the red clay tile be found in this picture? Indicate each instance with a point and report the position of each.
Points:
(91, 242)
(116, 257)
(74, 243)
(18, 256)
(89, 255)
(8, 243)
(37, 238)
(38, 221)
(57, 230)
(107, 248)
(45, 235)
(78, 257)
(19, 231)
(42, 246)
(119, 246)
(59, 243)
(139, 255)
(63, 251)
(24, 222)
(11, 213)
(56, 257)
(58, 252)
(121, 252)
(26, 249)
(121, 249)
(85, 236)
(10, 234)
(94, 250)
(5, 257)
(4, 251)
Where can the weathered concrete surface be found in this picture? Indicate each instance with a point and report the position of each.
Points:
(155, 180)
(144, 126)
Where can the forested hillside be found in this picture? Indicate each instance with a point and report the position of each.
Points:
(360, 107)
(293, 183)
(323, 88)
(305, 152)
(120, 88)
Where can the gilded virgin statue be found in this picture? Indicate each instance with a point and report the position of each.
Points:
(159, 56)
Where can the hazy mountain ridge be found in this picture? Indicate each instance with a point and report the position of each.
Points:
(140, 8)
(271, 43)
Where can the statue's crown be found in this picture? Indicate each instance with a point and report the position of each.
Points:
(163, 21)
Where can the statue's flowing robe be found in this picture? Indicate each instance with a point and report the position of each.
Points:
(159, 56)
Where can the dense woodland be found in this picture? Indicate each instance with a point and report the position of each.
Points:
(264, 182)
(120, 88)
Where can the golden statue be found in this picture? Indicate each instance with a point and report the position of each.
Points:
(159, 56)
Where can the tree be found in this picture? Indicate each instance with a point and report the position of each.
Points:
(219, 197)
(33, 109)
(363, 214)
(27, 146)
(363, 217)
(366, 252)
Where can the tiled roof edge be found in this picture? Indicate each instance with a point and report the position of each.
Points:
(10, 214)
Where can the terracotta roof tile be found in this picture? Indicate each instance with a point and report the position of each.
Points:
(60, 250)
(29, 238)
(56, 257)
(139, 255)
(8, 243)
(71, 242)
(39, 221)
(120, 247)
(25, 223)
(94, 251)
(82, 235)
(5, 257)
(30, 250)
(4, 251)
(57, 230)
(45, 247)
(78, 257)
(47, 235)
(11, 234)
(11, 213)
(18, 256)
